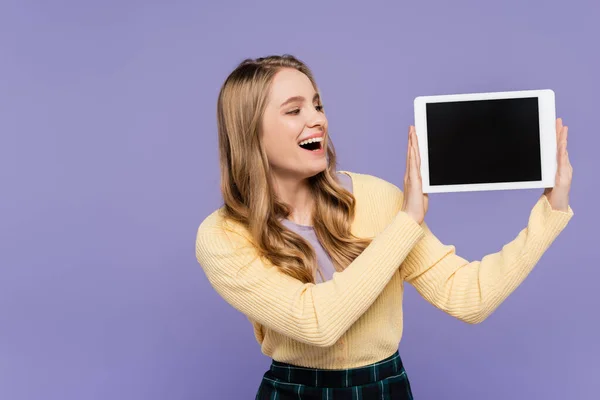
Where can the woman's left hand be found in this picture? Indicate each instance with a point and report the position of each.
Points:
(558, 196)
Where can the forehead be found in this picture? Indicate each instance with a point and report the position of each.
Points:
(290, 82)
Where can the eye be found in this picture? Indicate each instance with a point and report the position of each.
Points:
(296, 111)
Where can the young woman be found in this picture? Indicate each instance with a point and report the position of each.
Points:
(317, 258)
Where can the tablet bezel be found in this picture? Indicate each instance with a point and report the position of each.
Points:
(547, 119)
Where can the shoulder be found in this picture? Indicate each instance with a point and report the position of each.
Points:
(223, 248)
(216, 231)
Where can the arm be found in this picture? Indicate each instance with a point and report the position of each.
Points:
(314, 314)
(471, 291)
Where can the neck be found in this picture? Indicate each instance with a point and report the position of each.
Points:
(295, 192)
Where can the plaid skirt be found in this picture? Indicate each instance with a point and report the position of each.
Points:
(385, 379)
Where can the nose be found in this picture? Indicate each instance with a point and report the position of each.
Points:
(316, 118)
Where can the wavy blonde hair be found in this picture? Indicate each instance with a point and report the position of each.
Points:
(247, 189)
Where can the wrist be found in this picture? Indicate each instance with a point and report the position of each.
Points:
(562, 205)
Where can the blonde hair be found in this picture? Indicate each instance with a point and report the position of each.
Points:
(246, 185)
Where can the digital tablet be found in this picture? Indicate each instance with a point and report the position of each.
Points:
(487, 141)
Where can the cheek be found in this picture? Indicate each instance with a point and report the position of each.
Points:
(290, 128)
(281, 137)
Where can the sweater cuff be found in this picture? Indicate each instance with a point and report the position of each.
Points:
(546, 222)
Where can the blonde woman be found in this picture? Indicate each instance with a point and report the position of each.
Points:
(317, 258)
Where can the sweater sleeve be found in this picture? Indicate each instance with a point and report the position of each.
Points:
(471, 291)
(316, 314)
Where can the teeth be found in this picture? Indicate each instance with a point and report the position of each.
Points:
(313, 140)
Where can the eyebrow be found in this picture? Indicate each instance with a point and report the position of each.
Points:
(298, 98)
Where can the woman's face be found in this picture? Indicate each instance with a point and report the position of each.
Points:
(293, 115)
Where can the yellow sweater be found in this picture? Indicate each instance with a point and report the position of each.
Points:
(355, 318)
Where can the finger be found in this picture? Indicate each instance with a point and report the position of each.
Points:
(559, 135)
(566, 170)
(559, 130)
(418, 152)
(408, 153)
(563, 134)
(413, 167)
(563, 157)
(559, 125)
(564, 141)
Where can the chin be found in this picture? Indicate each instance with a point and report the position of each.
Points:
(317, 169)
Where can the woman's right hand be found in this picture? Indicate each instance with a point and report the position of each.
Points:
(415, 203)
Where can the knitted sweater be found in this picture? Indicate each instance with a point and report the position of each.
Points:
(355, 318)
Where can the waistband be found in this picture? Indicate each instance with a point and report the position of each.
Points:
(389, 367)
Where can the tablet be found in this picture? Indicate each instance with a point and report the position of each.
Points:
(487, 141)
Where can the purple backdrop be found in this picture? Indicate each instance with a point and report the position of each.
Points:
(108, 163)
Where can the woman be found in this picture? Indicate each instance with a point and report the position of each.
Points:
(317, 258)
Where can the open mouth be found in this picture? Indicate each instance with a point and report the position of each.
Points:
(314, 144)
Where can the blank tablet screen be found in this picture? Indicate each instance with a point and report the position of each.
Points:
(484, 141)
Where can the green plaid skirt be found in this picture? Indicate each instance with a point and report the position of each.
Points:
(383, 380)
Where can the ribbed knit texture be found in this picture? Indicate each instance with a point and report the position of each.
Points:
(355, 318)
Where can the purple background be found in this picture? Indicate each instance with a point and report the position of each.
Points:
(108, 163)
